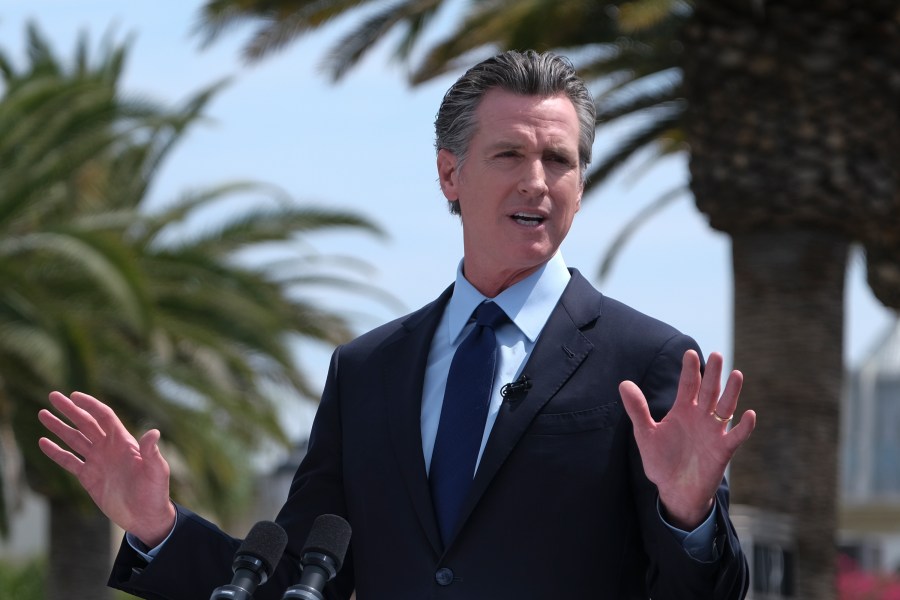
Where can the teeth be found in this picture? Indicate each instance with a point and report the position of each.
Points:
(527, 219)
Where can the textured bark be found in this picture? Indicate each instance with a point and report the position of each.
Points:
(789, 290)
(793, 121)
(794, 135)
(80, 553)
(792, 118)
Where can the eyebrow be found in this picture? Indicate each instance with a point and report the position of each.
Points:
(505, 145)
(557, 149)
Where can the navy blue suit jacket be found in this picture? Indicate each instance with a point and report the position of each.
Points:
(560, 506)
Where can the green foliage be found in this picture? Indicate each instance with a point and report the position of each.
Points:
(166, 320)
(22, 581)
(26, 581)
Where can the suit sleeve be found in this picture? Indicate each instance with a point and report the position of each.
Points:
(672, 573)
(194, 561)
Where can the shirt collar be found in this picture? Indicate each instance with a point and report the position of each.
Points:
(528, 303)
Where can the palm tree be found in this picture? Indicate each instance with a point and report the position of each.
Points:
(178, 327)
(788, 111)
(794, 139)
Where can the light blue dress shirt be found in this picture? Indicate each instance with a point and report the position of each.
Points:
(528, 305)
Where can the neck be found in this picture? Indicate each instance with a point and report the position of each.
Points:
(492, 285)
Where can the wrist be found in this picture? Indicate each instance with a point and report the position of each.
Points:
(685, 516)
(155, 531)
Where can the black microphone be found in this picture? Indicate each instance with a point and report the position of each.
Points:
(321, 558)
(515, 389)
(254, 561)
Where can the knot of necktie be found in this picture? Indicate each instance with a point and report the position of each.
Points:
(490, 315)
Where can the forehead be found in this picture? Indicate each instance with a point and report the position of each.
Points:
(502, 112)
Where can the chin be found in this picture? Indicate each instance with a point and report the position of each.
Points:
(537, 254)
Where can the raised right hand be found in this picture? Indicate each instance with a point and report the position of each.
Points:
(127, 479)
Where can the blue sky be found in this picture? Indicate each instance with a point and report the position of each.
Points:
(365, 145)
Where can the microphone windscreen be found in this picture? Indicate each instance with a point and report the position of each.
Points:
(266, 541)
(330, 535)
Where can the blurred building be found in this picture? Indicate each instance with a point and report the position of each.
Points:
(869, 519)
(768, 542)
(28, 529)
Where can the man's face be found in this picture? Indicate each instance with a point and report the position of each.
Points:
(519, 187)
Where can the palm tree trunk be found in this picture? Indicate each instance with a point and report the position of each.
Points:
(788, 336)
(80, 552)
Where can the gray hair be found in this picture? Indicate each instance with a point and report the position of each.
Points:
(527, 73)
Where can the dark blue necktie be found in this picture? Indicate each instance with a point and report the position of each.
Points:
(463, 416)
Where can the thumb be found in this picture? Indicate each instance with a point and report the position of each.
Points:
(149, 445)
(636, 405)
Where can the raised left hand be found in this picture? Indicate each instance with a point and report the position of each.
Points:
(687, 452)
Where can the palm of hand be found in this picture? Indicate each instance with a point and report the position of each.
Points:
(685, 454)
(127, 479)
(138, 475)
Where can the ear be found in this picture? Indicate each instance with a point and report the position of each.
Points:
(448, 175)
(580, 195)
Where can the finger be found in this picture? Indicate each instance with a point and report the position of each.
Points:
(636, 406)
(740, 433)
(102, 414)
(72, 437)
(79, 417)
(63, 458)
(689, 380)
(711, 384)
(728, 402)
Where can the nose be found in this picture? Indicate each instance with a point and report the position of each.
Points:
(533, 182)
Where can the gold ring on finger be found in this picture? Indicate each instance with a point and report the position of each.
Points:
(720, 418)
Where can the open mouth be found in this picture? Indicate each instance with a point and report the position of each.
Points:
(527, 219)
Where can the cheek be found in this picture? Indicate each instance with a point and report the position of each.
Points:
(567, 214)
(569, 196)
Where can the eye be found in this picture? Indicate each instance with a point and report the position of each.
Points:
(560, 160)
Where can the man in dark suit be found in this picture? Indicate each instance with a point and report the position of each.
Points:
(598, 474)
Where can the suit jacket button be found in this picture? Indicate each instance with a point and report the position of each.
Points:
(444, 576)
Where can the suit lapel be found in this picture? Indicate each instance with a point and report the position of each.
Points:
(559, 351)
(403, 379)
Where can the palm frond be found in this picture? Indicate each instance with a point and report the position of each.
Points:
(640, 15)
(634, 98)
(345, 54)
(665, 119)
(278, 24)
(624, 235)
(89, 256)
